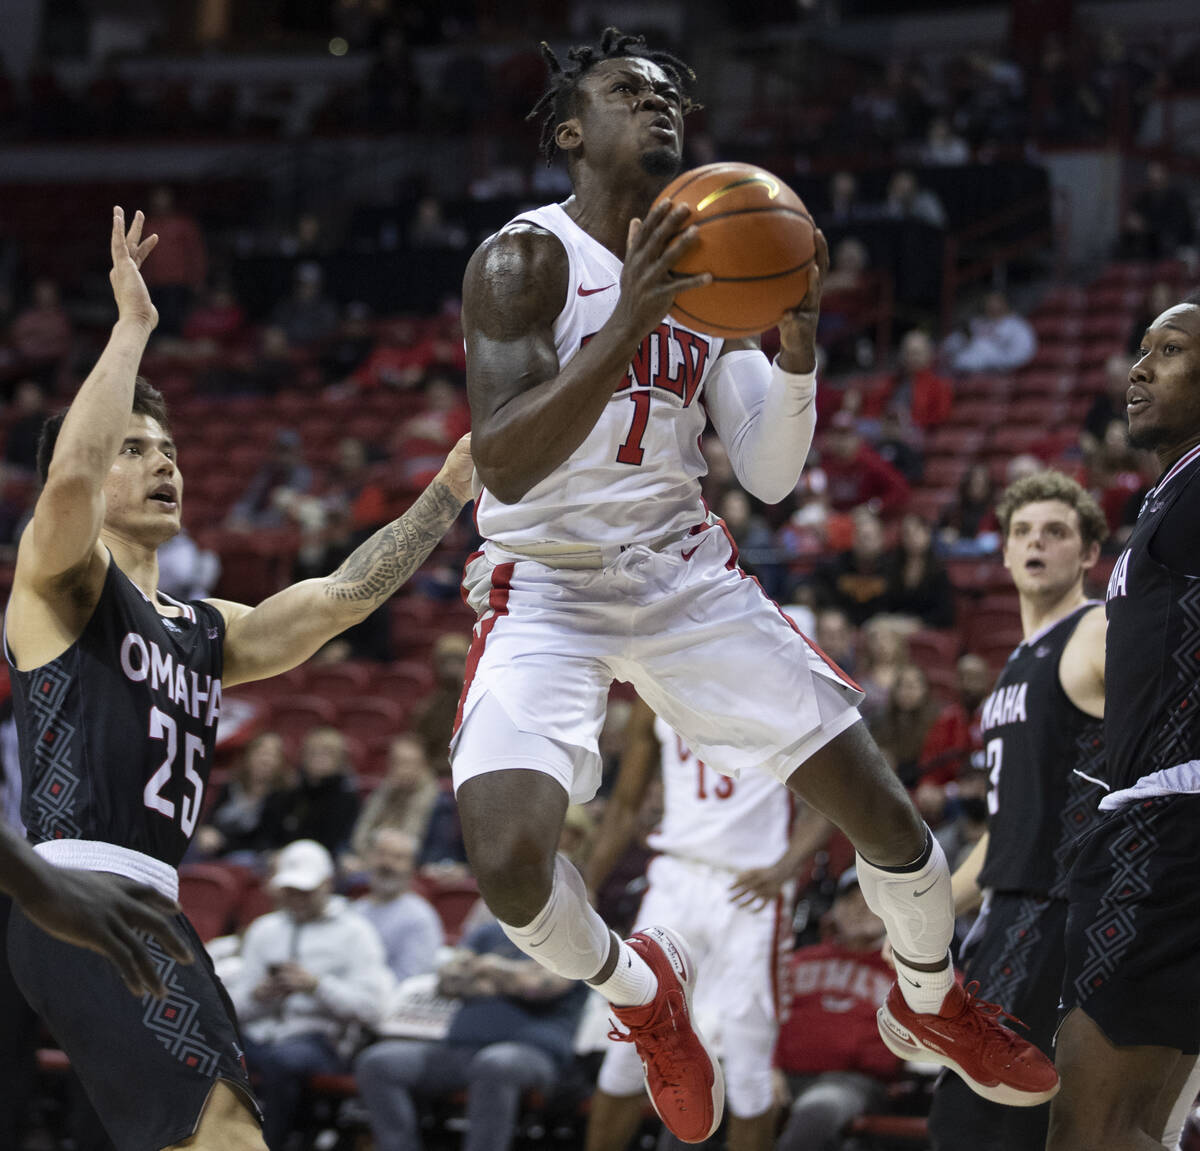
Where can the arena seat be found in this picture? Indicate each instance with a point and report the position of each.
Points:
(339, 680)
(370, 717)
(452, 899)
(209, 895)
(406, 681)
(293, 716)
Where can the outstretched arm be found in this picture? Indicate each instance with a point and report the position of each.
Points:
(92, 910)
(757, 886)
(291, 625)
(66, 521)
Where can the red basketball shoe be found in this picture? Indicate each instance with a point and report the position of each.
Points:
(682, 1075)
(968, 1037)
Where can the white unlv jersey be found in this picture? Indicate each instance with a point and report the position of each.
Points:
(716, 819)
(636, 477)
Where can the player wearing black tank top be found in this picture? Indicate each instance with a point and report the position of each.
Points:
(1042, 732)
(117, 691)
(1131, 991)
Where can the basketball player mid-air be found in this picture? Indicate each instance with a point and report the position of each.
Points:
(588, 401)
(116, 695)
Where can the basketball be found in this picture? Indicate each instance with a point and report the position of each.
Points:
(756, 238)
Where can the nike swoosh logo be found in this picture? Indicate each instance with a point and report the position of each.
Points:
(918, 894)
(592, 291)
(687, 555)
(910, 982)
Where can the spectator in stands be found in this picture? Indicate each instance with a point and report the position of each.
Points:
(844, 204)
(430, 228)
(179, 277)
(1117, 474)
(884, 654)
(433, 719)
(1159, 221)
(1161, 295)
(915, 391)
(955, 741)
(999, 340)
(353, 494)
(185, 569)
(903, 725)
(943, 147)
(831, 1066)
(855, 580)
(918, 586)
(41, 334)
(273, 369)
(407, 923)
(236, 824)
(404, 799)
(323, 804)
(218, 322)
(898, 444)
(284, 474)
(29, 412)
(313, 975)
(1109, 404)
(308, 315)
(907, 200)
(838, 638)
(855, 473)
(351, 345)
(848, 297)
(513, 1033)
(968, 526)
(757, 553)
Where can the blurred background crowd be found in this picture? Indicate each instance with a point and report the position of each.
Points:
(1010, 195)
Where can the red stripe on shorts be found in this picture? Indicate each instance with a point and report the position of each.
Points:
(731, 565)
(498, 606)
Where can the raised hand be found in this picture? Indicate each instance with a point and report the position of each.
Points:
(653, 247)
(457, 473)
(104, 913)
(798, 327)
(129, 251)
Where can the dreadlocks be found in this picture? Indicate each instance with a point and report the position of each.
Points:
(556, 101)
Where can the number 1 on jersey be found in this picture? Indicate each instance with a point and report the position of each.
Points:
(631, 451)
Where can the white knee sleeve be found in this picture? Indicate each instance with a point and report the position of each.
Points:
(566, 937)
(916, 905)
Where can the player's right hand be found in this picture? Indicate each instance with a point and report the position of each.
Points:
(652, 248)
(458, 472)
(103, 913)
(129, 252)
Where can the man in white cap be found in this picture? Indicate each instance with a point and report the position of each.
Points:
(313, 974)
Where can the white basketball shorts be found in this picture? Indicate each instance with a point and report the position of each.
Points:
(699, 640)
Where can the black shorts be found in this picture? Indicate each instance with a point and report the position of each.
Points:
(1133, 931)
(147, 1065)
(1016, 952)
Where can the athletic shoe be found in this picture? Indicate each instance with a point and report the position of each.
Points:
(967, 1036)
(682, 1075)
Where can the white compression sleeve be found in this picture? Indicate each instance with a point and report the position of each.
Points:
(765, 418)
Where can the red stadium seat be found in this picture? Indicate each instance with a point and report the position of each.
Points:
(945, 472)
(953, 440)
(935, 647)
(371, 717)
(405, 681)
(209, 895)
(294, 716)
(256, 900)
(339, 680)
(452, 899)
(978, 413)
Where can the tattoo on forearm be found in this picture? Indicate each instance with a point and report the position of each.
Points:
(373, 571)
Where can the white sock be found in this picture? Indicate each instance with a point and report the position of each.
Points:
(916, 905)
(566, 936)
(632, 983)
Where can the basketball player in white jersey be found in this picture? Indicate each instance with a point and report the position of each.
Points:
(588, 400)
(729, 851)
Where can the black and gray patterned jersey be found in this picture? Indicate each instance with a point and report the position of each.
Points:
(1152, 667)
(1045, 760)
(116, 735)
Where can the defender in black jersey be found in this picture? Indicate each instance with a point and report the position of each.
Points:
(1131, 992)
(117, 695)
(1042, 730)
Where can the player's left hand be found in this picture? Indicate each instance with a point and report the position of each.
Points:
(457, 473)
(798, 327)
(755, 888)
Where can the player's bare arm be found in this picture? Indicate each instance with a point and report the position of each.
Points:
(639, 764)
(284, 630)
(1081, 669)
(60, 562)
(90, 909)
(528, 412)
(964, 883)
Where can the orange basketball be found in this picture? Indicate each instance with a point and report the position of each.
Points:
(756, 238)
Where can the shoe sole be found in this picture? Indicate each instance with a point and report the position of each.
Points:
(718, 1087)
(900, 1042)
